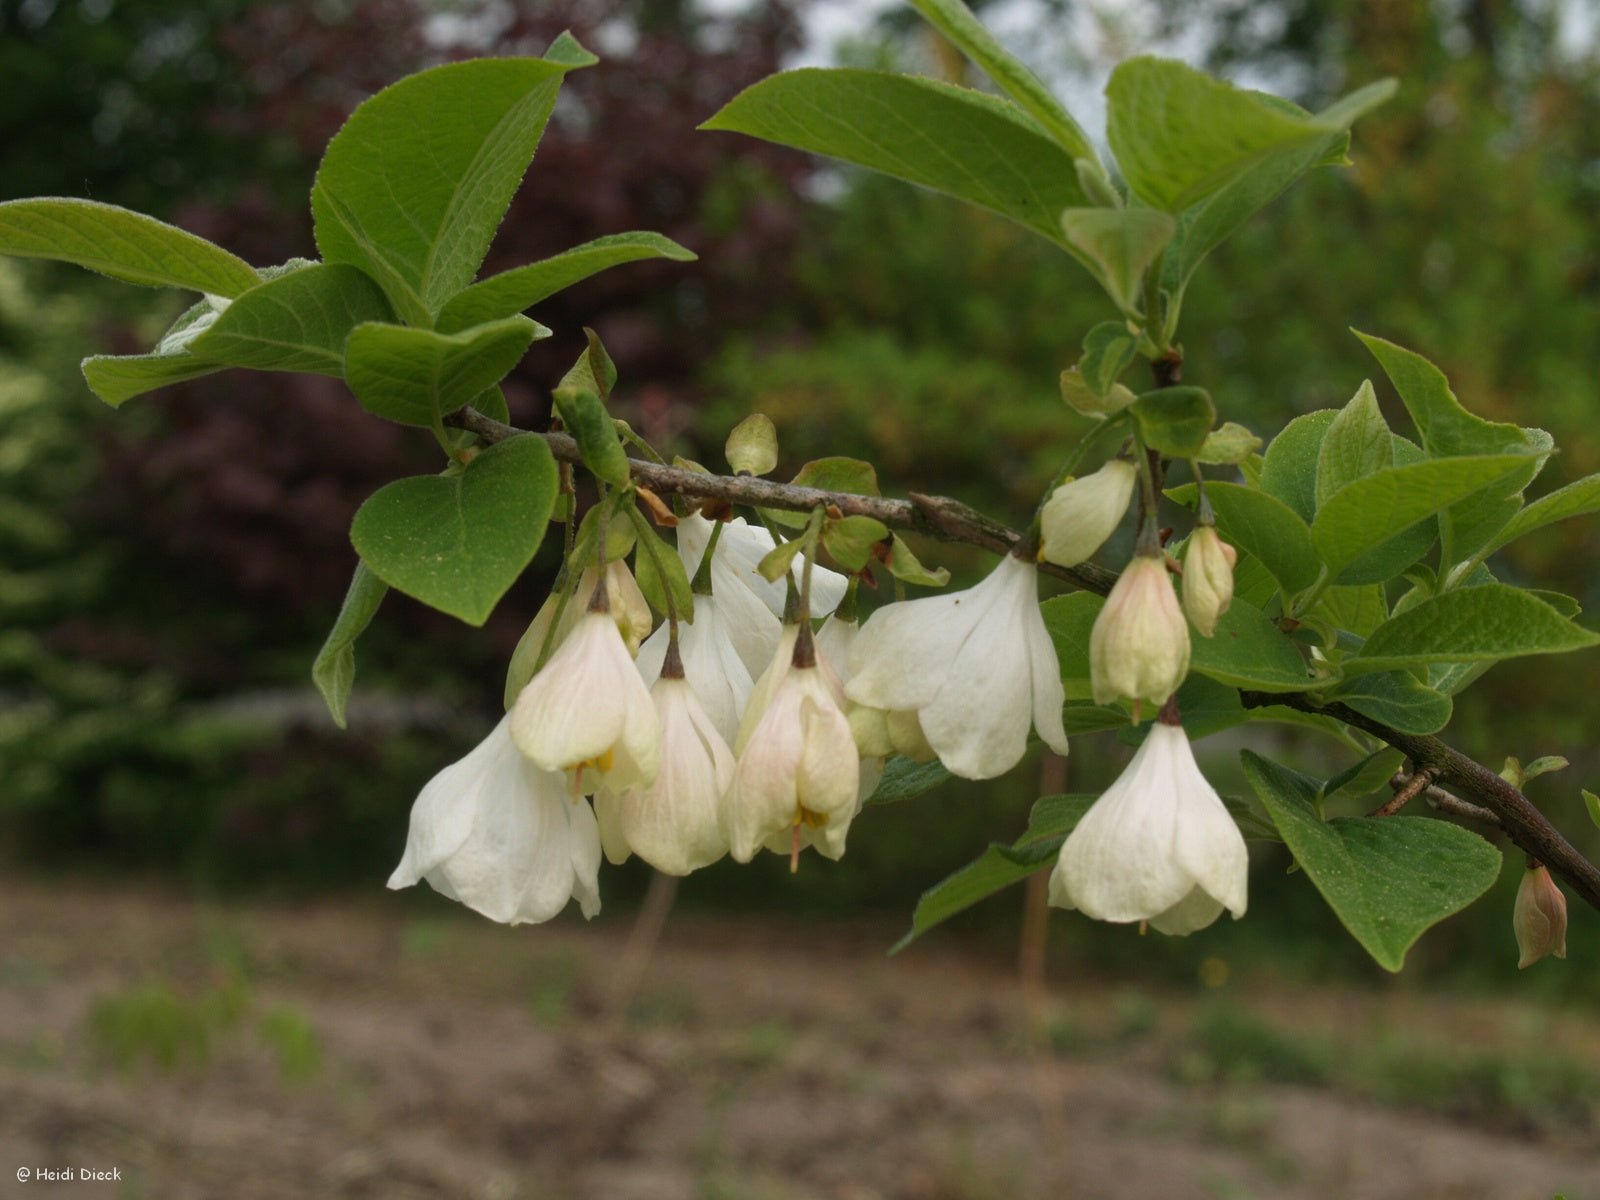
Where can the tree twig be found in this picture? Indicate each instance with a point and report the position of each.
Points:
(949, 520)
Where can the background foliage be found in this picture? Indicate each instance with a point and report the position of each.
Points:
(162, 596)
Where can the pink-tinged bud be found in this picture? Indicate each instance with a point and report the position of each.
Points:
(1139, 646)
(1207, 578)
(1082, 513)
(1540, 917)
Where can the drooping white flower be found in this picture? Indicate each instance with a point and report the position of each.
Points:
(588, 708)
(628, 607)
(503, 837)
(712, 663)
(1157, 846)
(674, 824)
(736, 582)
(1139, 646)
(798, 778)
(1082, 513)
(977, 667)
(1207, 578)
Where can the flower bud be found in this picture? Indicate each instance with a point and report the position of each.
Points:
(1540, 917)
(1139, 646)
(1082, 513)
(1207, 578)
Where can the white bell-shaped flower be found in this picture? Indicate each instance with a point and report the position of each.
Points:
(1082, 513)
(628, 607)
(977, 667)
(1157, 846)
(1139, 646)
(712, 663)
(503, 837)
(588, 708)
(737, 583)
(674, 824)
(798, 777)
(1207, 578)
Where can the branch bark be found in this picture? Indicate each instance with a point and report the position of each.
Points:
(949, 520)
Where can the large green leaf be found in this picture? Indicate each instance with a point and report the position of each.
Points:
(1379, 507)
(120, 243)
(1180, 135)
(416, 376)
(1249, 651)
(1575, 500)
(457, 541)
(1398, 699)
(951, 139)
(1447, 429)
(1069, 620)
(1052, 818)
(1388, 879)
(412, 189)
(1289, 467)
(1357, 443)
(955, 20)
(1205, 225)
(509, 292)
(117, 378)
(334, 671)
(296, 322)
(1469, 624)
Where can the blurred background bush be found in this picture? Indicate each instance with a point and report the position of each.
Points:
(168, 572)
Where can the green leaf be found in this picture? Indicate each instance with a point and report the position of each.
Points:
(510, 292)
(1379, 507)
(1592, 803)
(1231, 444)
(1265, 528)
(587, 420)
(905, 566)
(655, 587)
(412, 189)
(1473, 624)
(118, 378)
(1398, 699)
(1119, 244)
(1069, 620)
(457, 541)
(1447, 429)
(1207, 224)
(416, 376)
(1084, 400)
(1000, 866)
(1289, 467)
(850, 540)
(1249, 651)
(1365, 776)
(967, 34)
(1180, 135)
(1358, 609)
(1575, 500)
(954, 140)
(296, 322)
(1175, 420)
(1357, 443)
(1108, 348)
(594, 369)
(334, 671)
(1388, 879)
(779, 561)
(123, 244)
(833, 474)
(752, 445)
(903, 779)
(567, 51)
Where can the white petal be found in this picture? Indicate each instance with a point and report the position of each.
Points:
(1194, 912)
(746, 621)
(1049, 695)
(978, 723)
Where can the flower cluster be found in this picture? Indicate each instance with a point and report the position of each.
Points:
(744, 727)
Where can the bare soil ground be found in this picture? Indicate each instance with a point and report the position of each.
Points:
(758, 1061)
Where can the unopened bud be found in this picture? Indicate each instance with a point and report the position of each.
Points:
(870, 727)
(1082, 513)
(1540, 917)
(907, 737)
(1207, 578)
(1139, 646)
